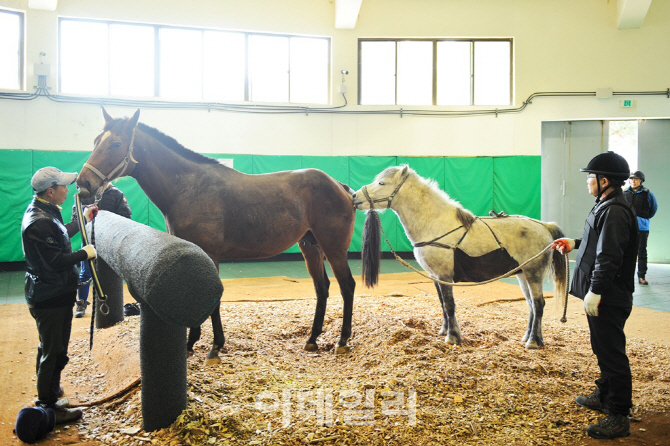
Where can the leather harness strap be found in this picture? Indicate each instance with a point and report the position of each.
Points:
(388, 199)
(122, 166)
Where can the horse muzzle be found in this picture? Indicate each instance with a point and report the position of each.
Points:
(86, 189)
(358, 204)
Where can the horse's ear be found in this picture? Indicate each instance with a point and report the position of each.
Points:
(106, 115)
(404, 170)
(132, 122)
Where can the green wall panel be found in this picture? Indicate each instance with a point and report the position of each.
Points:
(16, 193)
(517, 180)
(480, 184)
(276, 163)
(470, 182)
(335, 166)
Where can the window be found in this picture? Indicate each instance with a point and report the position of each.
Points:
(140, 60)
(623, 139)
(435, 72)
(11, 50)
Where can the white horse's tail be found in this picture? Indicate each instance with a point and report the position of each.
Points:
(559, 271)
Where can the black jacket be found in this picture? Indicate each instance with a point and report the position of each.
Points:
(112, 200)
(51, 276)
(639, 201)
(607, 252)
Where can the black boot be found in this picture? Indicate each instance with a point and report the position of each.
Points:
(612, 426)
(593, 402)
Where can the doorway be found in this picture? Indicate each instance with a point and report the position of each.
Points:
(568, 146)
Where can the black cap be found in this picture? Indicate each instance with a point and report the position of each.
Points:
(609, 164)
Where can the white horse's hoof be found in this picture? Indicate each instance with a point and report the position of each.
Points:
(525, 337)
(451, 339)
(532, 345)
(442, 332)
(342, 349)
(213, 361)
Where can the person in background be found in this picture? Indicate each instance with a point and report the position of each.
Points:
(51, 281)
(645, 205)
(112, 200)
(604, 278)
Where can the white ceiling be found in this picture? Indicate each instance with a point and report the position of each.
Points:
(630, 13)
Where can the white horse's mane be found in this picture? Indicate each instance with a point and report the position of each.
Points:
(464, 215)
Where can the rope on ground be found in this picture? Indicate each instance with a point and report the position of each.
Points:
(111, 397)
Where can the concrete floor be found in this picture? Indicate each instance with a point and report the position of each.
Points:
(655, 296)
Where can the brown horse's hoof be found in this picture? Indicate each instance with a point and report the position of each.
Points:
(311, 347)
(342, 349)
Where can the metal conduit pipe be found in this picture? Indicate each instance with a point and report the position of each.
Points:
(42, 91)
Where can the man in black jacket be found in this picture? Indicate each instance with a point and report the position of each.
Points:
(604, 279)
(51, 281)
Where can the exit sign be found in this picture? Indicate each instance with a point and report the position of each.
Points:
(627, 103)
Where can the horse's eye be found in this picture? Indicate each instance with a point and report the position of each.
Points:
(381, 183)
(116, 144)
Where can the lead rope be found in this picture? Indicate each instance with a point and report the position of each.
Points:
(98, 294)
(507, 274)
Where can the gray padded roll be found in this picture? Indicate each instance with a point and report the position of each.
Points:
(174, 277)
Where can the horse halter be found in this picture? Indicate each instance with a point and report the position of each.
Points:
(388, 199)
(122, 166)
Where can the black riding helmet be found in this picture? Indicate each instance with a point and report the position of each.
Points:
(637, 174)
(609, 165)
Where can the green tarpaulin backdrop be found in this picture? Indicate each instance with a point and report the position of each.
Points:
(480, 184)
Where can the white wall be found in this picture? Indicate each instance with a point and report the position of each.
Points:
(560, 45)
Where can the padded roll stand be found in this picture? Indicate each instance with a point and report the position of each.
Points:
(163, 366)
(178, 286)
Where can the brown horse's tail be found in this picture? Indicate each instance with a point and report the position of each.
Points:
(371, 250)
(559, 270)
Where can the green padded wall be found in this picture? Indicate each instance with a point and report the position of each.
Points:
(15, 174)
(479, 184)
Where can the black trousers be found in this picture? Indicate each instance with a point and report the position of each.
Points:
(608, 342)
(54, 326)
(642, 238)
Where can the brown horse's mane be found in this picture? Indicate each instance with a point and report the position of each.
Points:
(168, 142)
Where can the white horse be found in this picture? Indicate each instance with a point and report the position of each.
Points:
(453, 245)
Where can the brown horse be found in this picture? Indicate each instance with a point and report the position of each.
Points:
(232, 215)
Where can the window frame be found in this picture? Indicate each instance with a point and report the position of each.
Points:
(435, 41)
(157, 56)
(22, 46)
